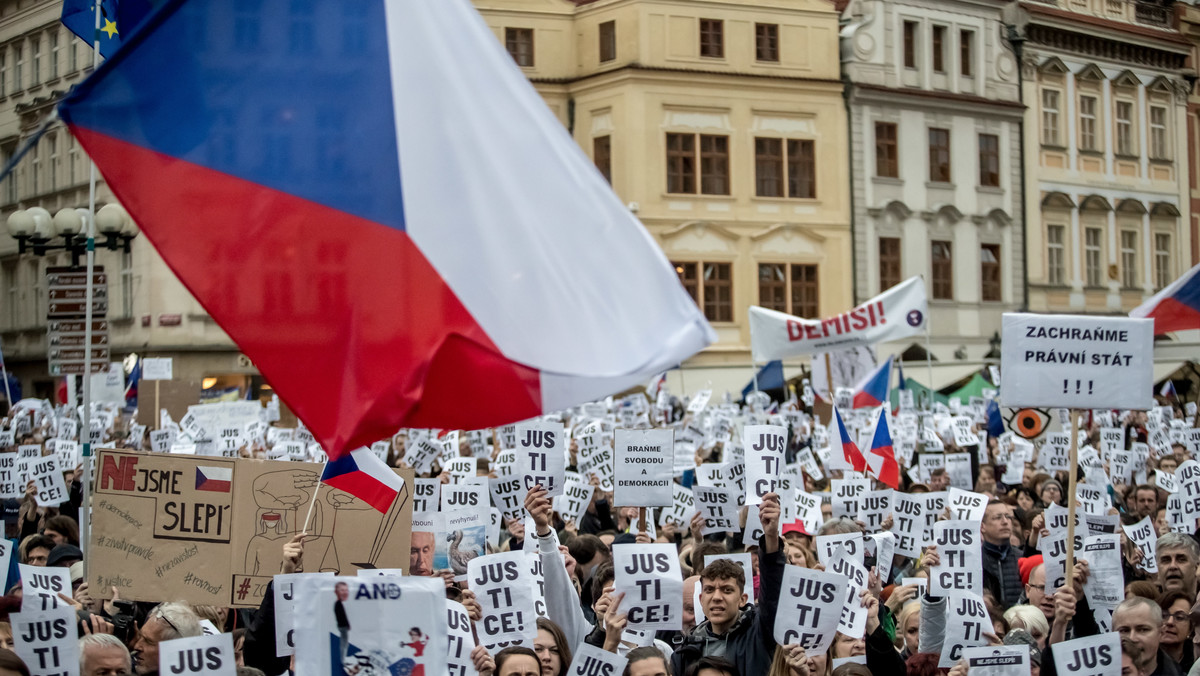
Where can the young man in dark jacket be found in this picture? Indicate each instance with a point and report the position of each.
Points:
(737, 631)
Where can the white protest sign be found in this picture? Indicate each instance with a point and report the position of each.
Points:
(643, 467)
(1166, 481)
(907, 523)
(469, 495)
(874, 509)
(971, 621)
(960, 553)
(698, 402)
(540, 458)
(719, 507)
(47, 641)
(997, 660)
(853, 620)
(844, 563)
(828, 545)
(589, 660)
(509, 496)
(764, 446)
(650, 578)
(1142, 535)
(810, 606)
(162, 440)
(338, 627)
(682, 509)
(45, 473)
(460, 638)
(461, 469)
(958, 468)
(574, 501)
(1105, 584)
(1089, 656)
(421, 455)
(808, 512)
(1076, 361)
(966, 505)
(41, 585)
(501, 583)
(426, 495)
(847, 494)
(202, 655)
(285, 611)
(744, 560)
(157, 368)
(10, 483)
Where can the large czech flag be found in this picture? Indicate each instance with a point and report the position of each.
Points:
(1175, 308)
(374, 203)
(873, 389)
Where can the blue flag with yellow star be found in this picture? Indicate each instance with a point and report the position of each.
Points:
(118, 19)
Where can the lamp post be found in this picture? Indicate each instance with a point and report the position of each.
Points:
(38, 233)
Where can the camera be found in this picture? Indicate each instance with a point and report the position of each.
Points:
(123, 621)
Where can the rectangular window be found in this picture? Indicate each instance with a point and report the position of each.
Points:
(681, 163)
(35, 169)
(11, 284)
(689, 279)
(766, 42)
(939, 155)
(1056, 268)
(887, 157)
(1124, 128)
(802, 169)
(602, 156)
(127, 284)
(608, 41)
(72, 159)
(1093, 271)
(1087, 122)
(519, 42)
(943, 270)
(72, 56)
(989, 272)
(54, 50)
(1050, 117)
(712, 38)
(1158, 133)
(718, 292)
(1162, 260)
(889, 262)
(714, 165)
(805, 291)
(3, 73)
(989, 160)
(773, 286)
(966, 53)
(19, 59)
(910, 44)
(1129, 258)
(35, 65)
(52, 170)
(939, 49)
(768, 167)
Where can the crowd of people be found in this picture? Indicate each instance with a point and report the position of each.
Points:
(906, 626)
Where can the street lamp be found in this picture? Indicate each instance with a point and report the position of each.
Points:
(35, 230)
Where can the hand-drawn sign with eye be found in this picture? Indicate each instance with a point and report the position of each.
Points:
(1029, 423)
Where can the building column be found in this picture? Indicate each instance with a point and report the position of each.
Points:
(1108, 119)
(1143, 127)
(1114, 285)
(1076, 243)
(1147, 257)
(1070, 126)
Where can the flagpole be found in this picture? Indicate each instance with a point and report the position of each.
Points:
(928, 355)
(85, 432)
(754, 370)
(312, 503)
(4, 370)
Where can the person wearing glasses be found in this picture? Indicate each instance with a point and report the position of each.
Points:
(166, 622)
(1176, 639)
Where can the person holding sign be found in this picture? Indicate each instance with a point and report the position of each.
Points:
(744, 634)
(1001, 576)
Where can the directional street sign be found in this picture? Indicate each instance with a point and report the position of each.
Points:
(67, 320)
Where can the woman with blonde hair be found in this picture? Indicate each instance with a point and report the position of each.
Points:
(1031, 619)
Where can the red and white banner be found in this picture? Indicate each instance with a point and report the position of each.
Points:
(898, 312)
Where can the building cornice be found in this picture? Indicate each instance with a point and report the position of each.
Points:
(870, 92)
(641, 68)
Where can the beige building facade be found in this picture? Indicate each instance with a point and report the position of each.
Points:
(722, 126)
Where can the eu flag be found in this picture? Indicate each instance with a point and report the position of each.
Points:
(118, 19)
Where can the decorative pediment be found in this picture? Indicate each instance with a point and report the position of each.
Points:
(1095, 203)
(1126, 78)
(788, 230)
(700, 228)
(1053, 66)
(1161, 84)
(1164, 209)
(1090, 72)
(942, 212)
(1000, 217)
(1131, 206)
(1057, 200)
(896, 209)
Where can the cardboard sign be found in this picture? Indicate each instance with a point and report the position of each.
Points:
(501, 585)
(211, 531)
(960, 551)
(47, 641)
(719, 507)
(650, 578)
(643, 467)
(1077, 361)
(592, 661)
(540, 458)
(284, 590)
(810, 605)
(338, 632)
(157, 368)
(205, 655)
(1089, 656)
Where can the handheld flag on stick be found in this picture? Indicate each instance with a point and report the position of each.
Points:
(377, 217)
(118, 18)
(881, 460)
(841, 443)
(362, 474)
(873, 389)
(1175, 308)
(1168, 390)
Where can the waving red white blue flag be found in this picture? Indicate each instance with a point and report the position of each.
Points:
(881, 459)
(873, 389)
(1175, 308)
(382, 213)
